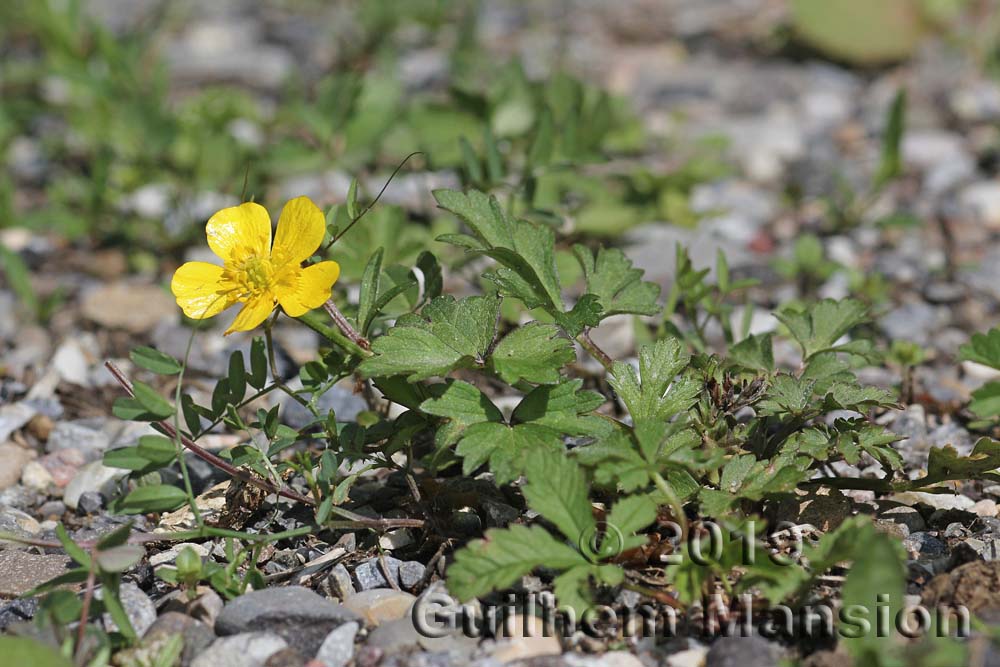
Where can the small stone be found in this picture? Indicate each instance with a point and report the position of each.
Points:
(197, 636)
(411, 573)
(924, 546)
(13, 417)
(396, 539)
(338, 647)
(62, 465)
(35, 477)
(52, 508)
(138, 607)
(299, 615)
(91, 477)
(170, 555)
(247, 649)
(380, 604)
(71, 363)
(750, 651)
(17, 611)
(89, 502)
(691, 657)
(21, 571)
(135, 308)
(370, 575)
(14, 459)
(78, 435)
(287, 657)
(339, 582)
(608, 659)
(907, 516)
(13, 520)
(524, 640)
(891, 528)
(207, 607)
(985, 507)
(982, 201)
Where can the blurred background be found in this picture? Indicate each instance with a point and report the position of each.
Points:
(777, 131)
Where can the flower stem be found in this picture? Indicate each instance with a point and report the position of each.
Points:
(345, 326)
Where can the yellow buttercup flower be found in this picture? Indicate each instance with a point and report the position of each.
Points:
(254, 273)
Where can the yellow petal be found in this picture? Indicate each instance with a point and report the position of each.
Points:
(198, 289)
(253, 313)
(309, 288)
(300, 231)
(239, 231)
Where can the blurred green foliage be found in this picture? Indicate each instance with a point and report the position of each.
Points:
(109, 150)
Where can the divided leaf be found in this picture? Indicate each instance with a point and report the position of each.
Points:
(533, 353)
(984, 348)
(818, 328)
(504, 447)
(617, 285)
(448, 334)
(526, 251)
(557, 489)
(504, 556)
(656, 392)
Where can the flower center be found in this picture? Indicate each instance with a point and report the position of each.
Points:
(253, 276)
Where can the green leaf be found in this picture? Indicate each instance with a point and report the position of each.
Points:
(891, 164)
(660, 394)
(787, 395)
(983, 349)
(557, 489)
(126, 458)
(616, 284)
(755, 352)
(447, 335)
(462, 404)
(572, 588)
(876, 581)
(504, 447)
(533, 353)
(562, 408)
(526, 250)
(369, 289)
(503, 556)
(75, 551)
(27, 651)
(148, 398)
(818, 328)
(258, 363)
(155, 361)
(944, 463)
(985, 401)
(120, 558)
(116, 537)
(237, 377)
(629, 515)
(110, 596)
(154, 498)
(586, 312)
(352, 199)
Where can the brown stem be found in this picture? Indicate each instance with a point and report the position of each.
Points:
(596, 352)
(345, 326)
(167, 428)
(88, 594)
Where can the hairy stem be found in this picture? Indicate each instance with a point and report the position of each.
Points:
(596, 352)
(345, 326)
